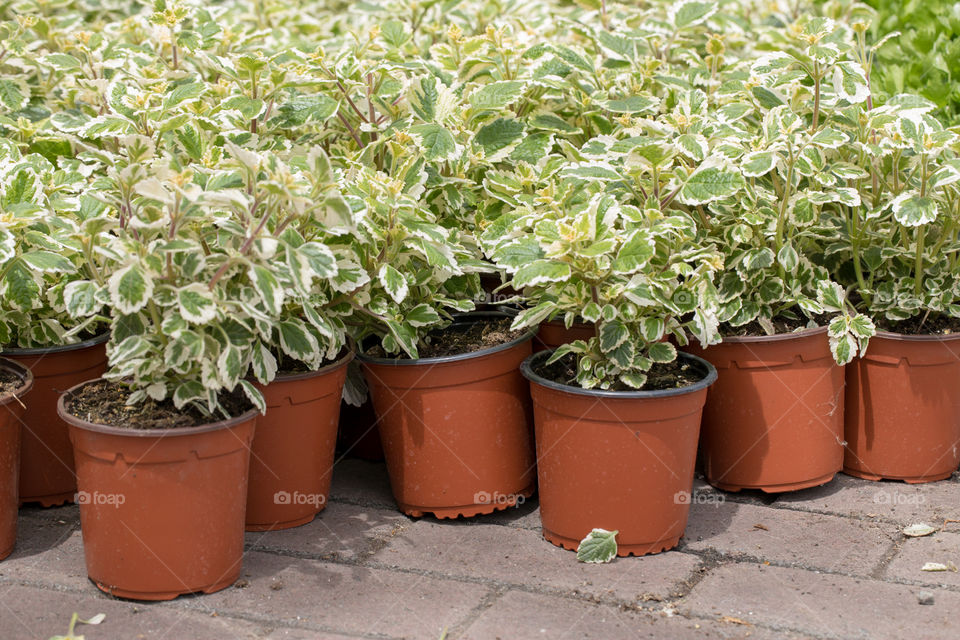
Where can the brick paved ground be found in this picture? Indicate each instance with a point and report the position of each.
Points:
(829, 562)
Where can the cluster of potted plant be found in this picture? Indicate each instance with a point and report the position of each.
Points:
(685, 195)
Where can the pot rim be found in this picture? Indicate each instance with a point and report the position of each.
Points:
(327, 368)
(42, 351)
(465, 318)
(922, 337)
(80, 423)
(777, 337)
(711, 376)
(26, 375)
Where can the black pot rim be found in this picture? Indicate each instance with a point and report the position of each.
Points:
(25, 375)
(777, 337)
(711, 376)
(80, 423)
(327, 368)
(459, 319)
(42, 351)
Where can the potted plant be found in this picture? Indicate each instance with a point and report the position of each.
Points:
(899, 256)
(162, 441)
(623, 401)
(774, 420)
(15, 381)
(50, 242)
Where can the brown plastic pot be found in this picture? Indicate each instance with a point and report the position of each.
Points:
(616, 460)
(46, 457)
(11, 413)
(456, 430)
(774, 419)
(161, 510)
(554, 333)
(292, 457)
(903, 409)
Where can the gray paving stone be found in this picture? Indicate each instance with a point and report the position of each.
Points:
(915, 552)
(790, 537)
(341, 531)
(28, 613)
(361, 482)
(522, 616)
(523, 557)
(343, 598)
(897, 501)
(523, 516)
(49, 551)
(823, 604)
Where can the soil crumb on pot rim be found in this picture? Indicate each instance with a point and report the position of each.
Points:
(10, 381)
(104, 402)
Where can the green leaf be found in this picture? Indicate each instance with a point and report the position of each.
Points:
(182, 93)
(20, 286)
(394, 283)
(80, 298)
(758, 163)
(395, 33)
(600, 546)
(253, 395)
(130, 289)
(633, 104)
(913, 210)
(541, 272)
(662, 352)
(709, 184)
(436, 142)
(302, 110)
(612, 335)
(48, 262)
(496, 95)
(831, 296)
(767, 99)
(422, 315)
(532, 148)
(268, 288)
(196, 303)
(635, 253)
(687, 13)
(13, 95)
(296, 341)
(499, 135)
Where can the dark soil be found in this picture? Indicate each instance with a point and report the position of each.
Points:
(781, 324)
(933, 325)
(458, 339)
(9, 381)
(105, 402)
(669, 375)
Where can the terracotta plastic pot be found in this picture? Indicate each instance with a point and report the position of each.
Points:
(46, 457)
(616, 460)
(161, 510)
(11, 413)
(554, 333)
(292, 457)
(774, 419)
(359, 435)
(456, 430)
(903, 409)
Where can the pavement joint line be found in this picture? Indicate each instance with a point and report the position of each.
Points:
(186, 604)
(766, 626)
(892, 552)
(493, 595)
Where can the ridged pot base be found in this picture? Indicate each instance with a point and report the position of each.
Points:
(161, 596)
(54, 500)
(289, 524)
(469, 510)
(777, 488)
(863, 475)
(623, 550)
